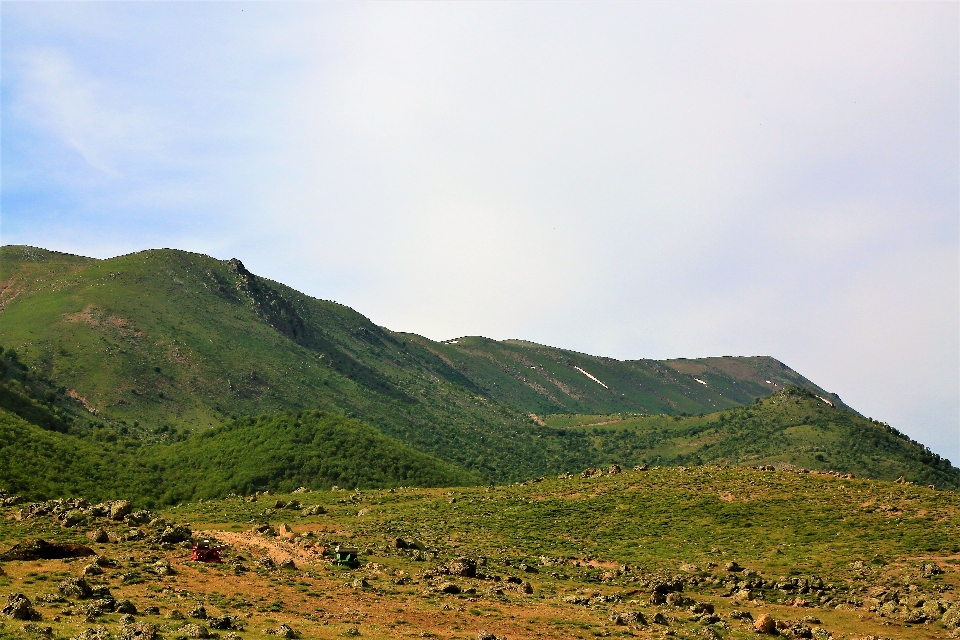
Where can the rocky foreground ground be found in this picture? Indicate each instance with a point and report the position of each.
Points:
(683, 553)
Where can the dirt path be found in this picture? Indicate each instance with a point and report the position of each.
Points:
(278, 550)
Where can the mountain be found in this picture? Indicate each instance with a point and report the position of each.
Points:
(163, 346)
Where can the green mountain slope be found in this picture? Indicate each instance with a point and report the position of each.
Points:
(541, 379)
(277, 452)
(155, 347)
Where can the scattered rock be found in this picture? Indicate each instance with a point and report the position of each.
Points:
(483, 634)
(732, 566)
(36, 630)
(930, 569)
(162, 568)
(360, 583)
(464, 567)
(99, 536)
(741, 615)
(176, 534)
(199, 612)
(287, 564)
(951, 619)
(75, 588)
(119, 509)
(19, 607)
(138, 631)
(591, 472)
(98, 632)
(226, 622)
(175, 614)
(284, 631)
(43, 550)
(449, 587)
(91, 570)
(315, 510)
(191, 630)
(629, 617)
(765, 624)
(614, 468)
(126, 607)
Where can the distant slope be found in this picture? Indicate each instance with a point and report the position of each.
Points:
(535, 378)
(155, 347)
(792, 428)
(284, 451)
(276, 452)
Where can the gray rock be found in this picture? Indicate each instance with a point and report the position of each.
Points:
(75, 588)
(464, 567)
(119, 509)
(98, 632)
(36, 630)
(191, 630)
(138, 631)
(19, 607)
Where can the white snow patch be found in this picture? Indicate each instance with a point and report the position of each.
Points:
(701, 381)
(590, 376)
(825, 400)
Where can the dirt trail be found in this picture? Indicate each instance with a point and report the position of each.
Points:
(278, 550)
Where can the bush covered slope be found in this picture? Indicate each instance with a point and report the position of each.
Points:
(276, 452)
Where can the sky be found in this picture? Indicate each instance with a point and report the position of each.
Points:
(632, 180)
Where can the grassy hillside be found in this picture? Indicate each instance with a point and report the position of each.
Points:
(276, 452)
(792, 428)
(541, 379)
(159, 346)
(684, 552)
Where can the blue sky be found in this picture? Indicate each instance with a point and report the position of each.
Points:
(626, 179)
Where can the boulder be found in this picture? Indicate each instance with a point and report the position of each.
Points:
(176, 534)
(99, 536)
(75, 588)
(139, 517)
(765, 624)
(191, 630)
(98, 632)
(315, 510)
(449, 587)
(19, 607)
(91, 570)
(199, 612)
(126, 607)
(732, 566)
(951, 619)
(73, 518)
(463, 567)
(119, 509)
(225, 623)
(614, 468)
(37, 630)
(138, 631)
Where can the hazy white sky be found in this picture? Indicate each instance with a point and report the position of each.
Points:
(625, 179)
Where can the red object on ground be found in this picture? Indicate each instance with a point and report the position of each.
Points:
(207, 554)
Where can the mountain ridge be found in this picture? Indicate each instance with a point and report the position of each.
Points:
(166, 344)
